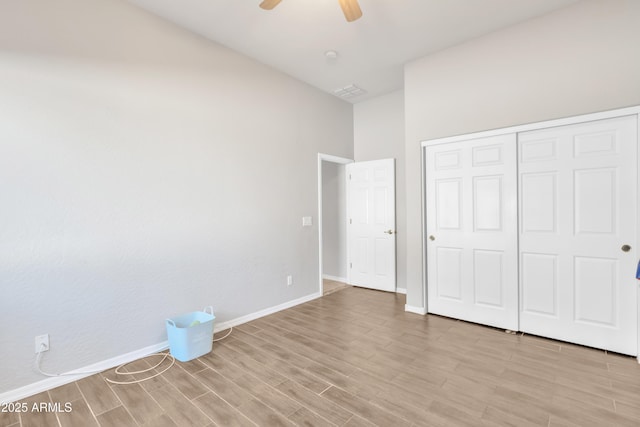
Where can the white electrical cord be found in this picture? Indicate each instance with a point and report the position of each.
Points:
(46, 374)
(117, 371)
(226, 335)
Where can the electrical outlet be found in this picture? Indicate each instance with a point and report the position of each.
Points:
(289, 280)
(42, 343)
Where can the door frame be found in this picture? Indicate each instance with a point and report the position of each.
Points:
(331, 159)
(608, 114)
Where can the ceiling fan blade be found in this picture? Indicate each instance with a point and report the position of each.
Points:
(269, 4)
(351, 9)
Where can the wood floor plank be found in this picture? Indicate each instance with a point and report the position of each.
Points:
(508, 418)
(99, 397)
(276, 356)
(262, 415)
(362, 408)
(116, 417)
(10, 417)
(306, 418)
(79, 416)
(226, 389)
(221, 412)
(356, 421)
(180, 409)
(66, 393)
(584, 414)
(299, 348)
(268, 395)
(316, 403)
(238, 355)
(191, 366)
(185, 382)
(162, 420)
(138, 402)
(36, 415)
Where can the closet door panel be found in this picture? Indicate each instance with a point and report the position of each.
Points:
(472, 223)
(577, 208)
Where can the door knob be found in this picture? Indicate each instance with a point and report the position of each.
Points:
(389, 232)
(432, 237)
(625, 248)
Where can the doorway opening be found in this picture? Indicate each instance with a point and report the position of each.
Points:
(332, 223)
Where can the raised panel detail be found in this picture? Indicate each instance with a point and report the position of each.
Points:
(361, 206)
(536, 151)
(539, 283)
(487, 203)
(539, 203)
(449, 273)
(449, 204)
(487, 277)
(448, 160)
(595, 204)
(595, 144)
(381, 251)
(487, 155)
(380, 205)
(595, 290)
(380, 174)
(361, 259)
(360, 175)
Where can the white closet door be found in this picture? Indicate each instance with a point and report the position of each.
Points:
(472, 259)
(578, 197)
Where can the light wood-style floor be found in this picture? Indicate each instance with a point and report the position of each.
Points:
(331, 286)
(355, 358)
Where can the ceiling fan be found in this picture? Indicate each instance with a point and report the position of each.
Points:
(350, 8)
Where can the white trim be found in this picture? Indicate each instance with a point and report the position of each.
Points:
(537, 125)
(335, 278)
(267, 311)
(414, 309)
(401, 291)
(423, 224)
(51, 383)
(638, 228)
(333, 159)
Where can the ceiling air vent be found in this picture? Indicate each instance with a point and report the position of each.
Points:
(350, 91)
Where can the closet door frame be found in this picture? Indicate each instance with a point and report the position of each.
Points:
(629, 111)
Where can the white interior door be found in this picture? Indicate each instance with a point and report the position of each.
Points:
(472, 253)
(578, 208)
(372, 224)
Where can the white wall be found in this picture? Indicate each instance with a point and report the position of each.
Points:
(334, 221)
(146, 172)
(378, 133)
(577, 60)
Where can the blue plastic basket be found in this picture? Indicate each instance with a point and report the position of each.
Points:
(191, 335)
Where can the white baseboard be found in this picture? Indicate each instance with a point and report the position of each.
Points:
(77, 374)
(401, 291)
(335, 278)
(414, 309)
(267, 311)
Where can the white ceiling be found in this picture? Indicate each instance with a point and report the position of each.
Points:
(294, 36)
